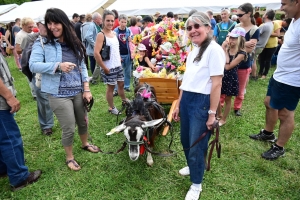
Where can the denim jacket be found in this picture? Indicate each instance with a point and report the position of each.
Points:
(45, 61)
(128, 34)
(90, 39)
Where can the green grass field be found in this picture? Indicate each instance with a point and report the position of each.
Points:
(239, 174)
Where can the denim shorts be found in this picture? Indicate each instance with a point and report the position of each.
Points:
(283, 95)
(115, 75)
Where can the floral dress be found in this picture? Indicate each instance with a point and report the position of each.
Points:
(230, 81)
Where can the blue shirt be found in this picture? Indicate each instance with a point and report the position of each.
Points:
(213, 23)
(247, 64)
(70, 83)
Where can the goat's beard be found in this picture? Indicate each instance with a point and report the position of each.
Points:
(134, 152)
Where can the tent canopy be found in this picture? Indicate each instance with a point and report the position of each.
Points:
(38, 8)
(6, 8)
(138, 7)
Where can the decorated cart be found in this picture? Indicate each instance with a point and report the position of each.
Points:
(169, 61)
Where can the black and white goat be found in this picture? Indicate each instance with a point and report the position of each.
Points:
(142, 113)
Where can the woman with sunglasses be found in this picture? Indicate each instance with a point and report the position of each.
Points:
(247, 21)
(60, 59)
(199, 98)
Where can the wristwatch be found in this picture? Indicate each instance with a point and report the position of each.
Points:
(212, 112)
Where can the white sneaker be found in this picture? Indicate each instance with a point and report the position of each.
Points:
(185, 171)
(193, 193)
(114, 111)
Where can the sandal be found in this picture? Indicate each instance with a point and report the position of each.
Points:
(91, 148)
(75, 166)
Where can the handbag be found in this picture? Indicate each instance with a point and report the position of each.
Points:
(9, 50)
(105, 51)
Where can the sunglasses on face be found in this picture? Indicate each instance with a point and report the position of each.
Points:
(196, 26)
(240, 15)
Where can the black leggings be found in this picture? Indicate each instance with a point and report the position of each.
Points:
(264, 60)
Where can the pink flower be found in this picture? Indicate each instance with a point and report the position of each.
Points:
(168, 63)
(139, 69)
(172, 67)
(146, 94)
(172, 51)
(160, 29)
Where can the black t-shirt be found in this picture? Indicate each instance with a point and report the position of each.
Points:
(122, 42)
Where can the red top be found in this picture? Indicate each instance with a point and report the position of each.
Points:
(116, 24)
(258, 21)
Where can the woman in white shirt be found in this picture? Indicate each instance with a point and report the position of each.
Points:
(199, 97)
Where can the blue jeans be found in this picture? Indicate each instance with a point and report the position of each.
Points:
(45, 113)
(92, 63)
(11, 149)
(127, 65)
(193, 116)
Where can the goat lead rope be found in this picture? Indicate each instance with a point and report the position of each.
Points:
(118, 151)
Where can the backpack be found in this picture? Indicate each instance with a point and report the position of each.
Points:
(222, 33)
(26, 54)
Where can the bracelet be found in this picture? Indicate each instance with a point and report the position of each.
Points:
(87, 91)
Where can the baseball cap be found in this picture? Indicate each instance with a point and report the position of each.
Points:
(166, 46)
(40, 19)
(141, 47)
(238, 31)
(147, 19)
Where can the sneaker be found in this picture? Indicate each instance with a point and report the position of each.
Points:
(33, 177)
(237, 113)
(114, 111)
(115, 93)
(47, 131)
(185, 171)
(127, 90)
(264, 137)
(193, 193)
(273, 153)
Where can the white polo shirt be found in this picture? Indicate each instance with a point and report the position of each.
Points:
(197, 75)
(288, 60)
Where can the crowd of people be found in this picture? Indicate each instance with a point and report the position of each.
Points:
(220, 63)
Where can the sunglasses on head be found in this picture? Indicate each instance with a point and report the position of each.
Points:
(240, 15)
(196, 26)
(224, 9)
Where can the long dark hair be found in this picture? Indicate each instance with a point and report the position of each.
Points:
(58, 16)
(248, 8)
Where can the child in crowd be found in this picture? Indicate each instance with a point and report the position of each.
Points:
(234, 47)
(143, 59)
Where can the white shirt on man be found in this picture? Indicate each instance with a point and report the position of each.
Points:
(20, 36)
(197, 75)
(288, 60)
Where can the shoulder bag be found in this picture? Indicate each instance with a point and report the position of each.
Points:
(105, 51)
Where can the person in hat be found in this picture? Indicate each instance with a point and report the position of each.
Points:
(143, 60)
(234, 48)
(45, 114)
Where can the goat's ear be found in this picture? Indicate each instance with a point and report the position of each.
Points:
(152, 123)
(117, 129)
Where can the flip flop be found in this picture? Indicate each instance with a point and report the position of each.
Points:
(96, 149)
(75, 164)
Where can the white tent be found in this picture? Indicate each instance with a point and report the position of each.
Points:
(140, 7)
(6, 8)
(38, 8)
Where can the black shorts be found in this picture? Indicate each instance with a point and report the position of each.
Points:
(283, 95)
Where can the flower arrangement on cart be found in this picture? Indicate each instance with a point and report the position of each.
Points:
(171, 55)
